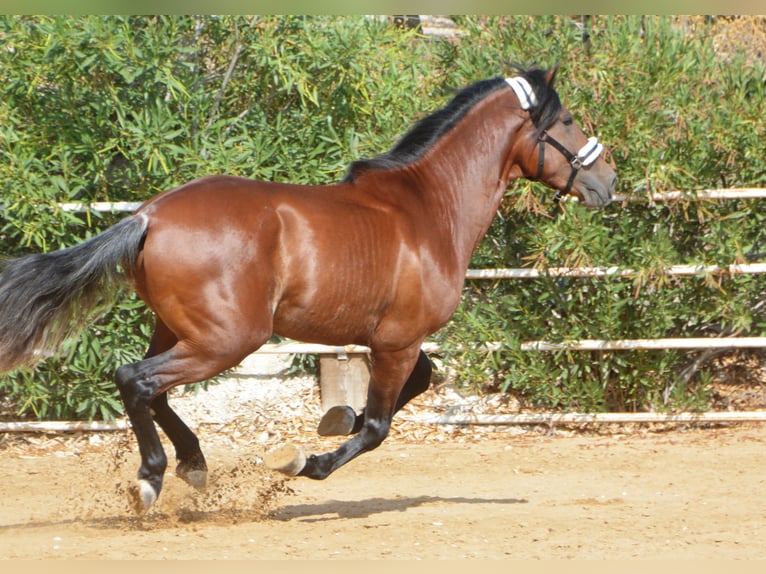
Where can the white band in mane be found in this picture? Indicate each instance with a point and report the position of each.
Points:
(523, 91)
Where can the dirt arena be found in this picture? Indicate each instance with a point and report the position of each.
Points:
(685, 493)
(430, 491)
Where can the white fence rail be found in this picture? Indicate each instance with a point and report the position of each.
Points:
(292, 348)
(734, 269)
(552, 419)
(102, 206)
(739, 193)
(549, 419)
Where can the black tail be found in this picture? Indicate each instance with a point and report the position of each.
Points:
(47, 298)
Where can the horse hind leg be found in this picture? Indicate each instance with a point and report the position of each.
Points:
(341, 420)
(137, 385)
(191, 465)
(140, 384)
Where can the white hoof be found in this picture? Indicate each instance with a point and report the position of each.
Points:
(142, 496)
(288, 459)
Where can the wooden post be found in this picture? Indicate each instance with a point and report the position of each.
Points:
(343, 380)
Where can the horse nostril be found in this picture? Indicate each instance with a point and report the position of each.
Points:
(612, 185)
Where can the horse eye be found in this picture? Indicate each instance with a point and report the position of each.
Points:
(567, 120)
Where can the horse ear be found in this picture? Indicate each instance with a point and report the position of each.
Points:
(550, 75)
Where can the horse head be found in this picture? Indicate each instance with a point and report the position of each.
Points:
(553, 149)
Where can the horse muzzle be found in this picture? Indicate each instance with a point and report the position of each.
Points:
(595, 190)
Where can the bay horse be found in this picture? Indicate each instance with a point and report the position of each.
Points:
(377, 259)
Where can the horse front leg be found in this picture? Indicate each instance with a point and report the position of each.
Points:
(390, 371)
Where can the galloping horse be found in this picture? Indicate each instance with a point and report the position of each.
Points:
(378, 259)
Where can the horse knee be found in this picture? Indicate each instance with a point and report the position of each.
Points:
(374, 432)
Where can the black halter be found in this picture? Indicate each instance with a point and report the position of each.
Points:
(571, 158)
(586, 156)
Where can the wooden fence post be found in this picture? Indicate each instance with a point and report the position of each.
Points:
(343, 380)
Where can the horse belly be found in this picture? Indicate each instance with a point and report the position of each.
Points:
(370, 298)
(328, 315)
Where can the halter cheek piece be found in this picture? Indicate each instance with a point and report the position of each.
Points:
(587, 154)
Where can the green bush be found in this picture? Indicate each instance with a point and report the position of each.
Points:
(121, 108)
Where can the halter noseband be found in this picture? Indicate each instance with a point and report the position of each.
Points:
(587, 154)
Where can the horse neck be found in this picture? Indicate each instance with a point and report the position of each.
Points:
(467, 172)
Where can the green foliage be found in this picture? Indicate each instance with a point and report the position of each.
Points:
(121, 108)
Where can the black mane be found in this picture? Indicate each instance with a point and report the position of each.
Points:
(427, 131)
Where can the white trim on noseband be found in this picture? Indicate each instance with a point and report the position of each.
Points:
(590, 152)
(523, 91)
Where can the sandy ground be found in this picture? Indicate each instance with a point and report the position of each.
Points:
(671, 492)
(681, 494)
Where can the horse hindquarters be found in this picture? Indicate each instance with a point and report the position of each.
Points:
(211, 314)
(210, 336)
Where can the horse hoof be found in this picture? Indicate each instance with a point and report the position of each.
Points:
(193, 471)
(142, 496)
(287, 459)
(337, 421)
(195, 478)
